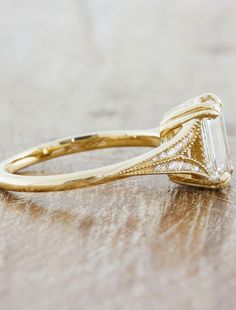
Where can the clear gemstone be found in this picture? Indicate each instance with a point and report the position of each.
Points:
(185, 140)
(180, 166)
(189, 167)
(173, 165)
(171, 152)
(179, 146)
(161, 168)
(216, 147)
(196, 169)
(163, 155)
(189, 154)
(155, 158)
(164, 167)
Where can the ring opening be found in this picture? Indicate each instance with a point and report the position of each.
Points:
(80, 144)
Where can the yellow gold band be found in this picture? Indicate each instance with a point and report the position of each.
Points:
(11, 181)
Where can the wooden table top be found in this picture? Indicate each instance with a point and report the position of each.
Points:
(70, 67)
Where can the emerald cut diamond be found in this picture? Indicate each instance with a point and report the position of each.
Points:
(214, 136)
(204, 147)
(216, 147)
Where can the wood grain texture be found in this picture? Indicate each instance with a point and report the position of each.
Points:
(69, 67)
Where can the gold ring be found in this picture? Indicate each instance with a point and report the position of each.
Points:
(190, 146)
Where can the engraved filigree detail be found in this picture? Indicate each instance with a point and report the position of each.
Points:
(174, 159)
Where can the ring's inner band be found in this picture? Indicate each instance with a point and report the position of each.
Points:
(81, 144)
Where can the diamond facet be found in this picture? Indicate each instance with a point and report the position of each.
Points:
(216, 147)
(162, 155)
(171, 152)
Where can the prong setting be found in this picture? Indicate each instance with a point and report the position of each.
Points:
(212, 148)
(187, 152)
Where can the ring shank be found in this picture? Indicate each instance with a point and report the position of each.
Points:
(12, 181)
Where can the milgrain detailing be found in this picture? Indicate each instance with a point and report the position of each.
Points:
(175, 158)
(190, 146)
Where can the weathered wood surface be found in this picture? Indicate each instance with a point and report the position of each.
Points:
(68, 67)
